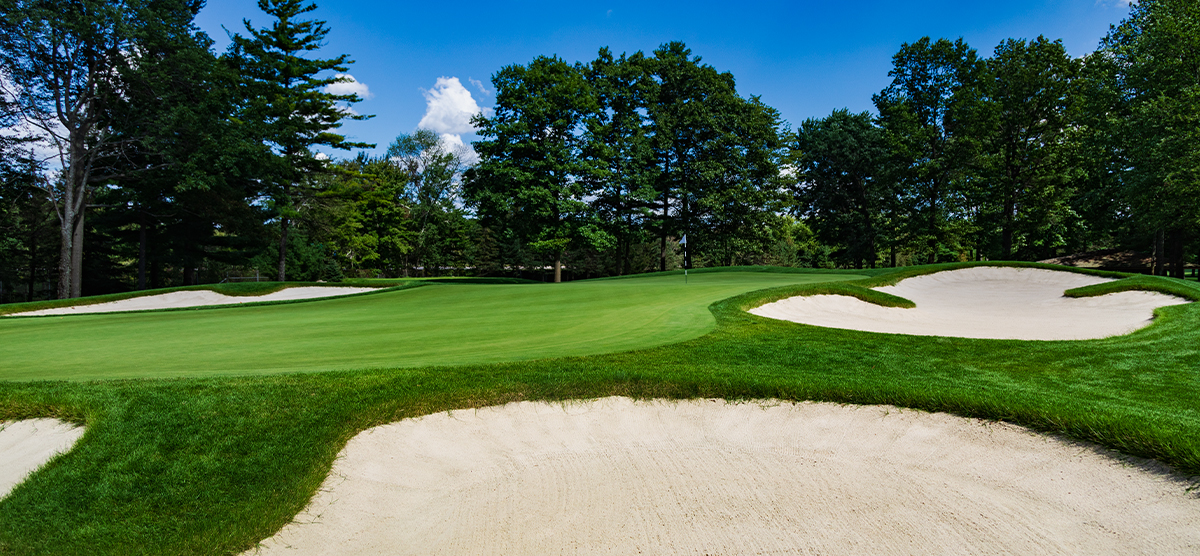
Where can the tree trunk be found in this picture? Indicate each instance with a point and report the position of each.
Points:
(1010, 208)
(32, 265)
(1175, 253)
(662, 249)
(893, 256)
(67, 237)
(141, 280)
(283, 237)
(77, 257)
(1157, 267)
(558, 268)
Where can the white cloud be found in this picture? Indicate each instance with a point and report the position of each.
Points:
(349, 86)
(454, 143)
(449, 107)
(479, 85)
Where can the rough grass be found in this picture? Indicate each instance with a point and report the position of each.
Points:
(212, 465)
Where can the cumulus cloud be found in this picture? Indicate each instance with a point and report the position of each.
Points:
(349, 86)
(449, 107)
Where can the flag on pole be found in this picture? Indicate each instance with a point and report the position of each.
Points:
(683, 240)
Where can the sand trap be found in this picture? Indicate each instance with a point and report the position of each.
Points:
(27, 445)
(983, 302)
(195, 298)
(616, 476)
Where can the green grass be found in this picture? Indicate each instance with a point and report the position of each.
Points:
(211, 465)
(852, 290)
(1169, 286)
(436, 324)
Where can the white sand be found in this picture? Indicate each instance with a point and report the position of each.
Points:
(27, 445)
(983, 302)
(616, 476)
(196, 298)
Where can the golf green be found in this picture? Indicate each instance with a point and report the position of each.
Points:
(436, 324)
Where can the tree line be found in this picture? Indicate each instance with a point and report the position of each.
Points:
(134, 156)
(1027, 154)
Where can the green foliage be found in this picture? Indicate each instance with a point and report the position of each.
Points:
(843, 188)
(1169, 286)
(436, 223)
(1027, 159)
(925, 112)
(600, 158)
(851, 290)
(286, 101)
(532, 174)
(1154, 94)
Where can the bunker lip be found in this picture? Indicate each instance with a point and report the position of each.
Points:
(195, 298)
(27, 445)
(983, 302)
(617, 476)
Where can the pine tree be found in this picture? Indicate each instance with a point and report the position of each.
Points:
(286, 95)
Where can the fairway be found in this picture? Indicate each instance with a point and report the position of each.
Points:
(436, 324)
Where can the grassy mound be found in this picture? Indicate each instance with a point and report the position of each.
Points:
(1169, 286)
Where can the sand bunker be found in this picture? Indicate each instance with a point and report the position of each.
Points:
(27, 445)
(984, 302)
(195, 298)
(616, 476)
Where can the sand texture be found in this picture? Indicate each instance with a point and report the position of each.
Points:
(195, 298)
(983, 302)
(615, 476)
(27, 445)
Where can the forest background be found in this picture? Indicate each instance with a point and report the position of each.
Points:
(134, 156)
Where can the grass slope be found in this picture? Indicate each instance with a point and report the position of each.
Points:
(212, 465)
(436, 324)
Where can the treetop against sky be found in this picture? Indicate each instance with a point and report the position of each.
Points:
(429, 64)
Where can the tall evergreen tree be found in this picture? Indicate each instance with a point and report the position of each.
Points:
(286, 94)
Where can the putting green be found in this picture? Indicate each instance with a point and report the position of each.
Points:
(438, 324)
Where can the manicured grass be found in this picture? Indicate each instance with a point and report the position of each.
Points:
(212, 465)
(1169, 286)
(852, 290)
(436, 324)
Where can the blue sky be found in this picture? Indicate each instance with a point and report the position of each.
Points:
(803, 58)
